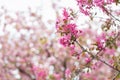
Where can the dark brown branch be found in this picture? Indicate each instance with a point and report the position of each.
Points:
(25, 73)
(65, 66)
(116, 76)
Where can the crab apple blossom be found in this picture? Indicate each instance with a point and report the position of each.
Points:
(98, 46)
(74, 47)
(25, 52)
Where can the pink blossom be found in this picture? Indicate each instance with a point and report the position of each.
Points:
(67, 72)
(65, 40)
(42, 73)
(98, 3)
(110, 1)
(71, 29)
(65, 14)
(87, 60)
(118, 43)
(101, 39)
(86, 5)
(111, 61)
(57, 76)
(72, 49)
(39, 73)
(109, 51)
(84, 11)
(72, 46)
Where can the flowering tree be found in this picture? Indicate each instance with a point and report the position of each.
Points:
(25, 52)
(28, 48)
(96, 49)
(89, 51)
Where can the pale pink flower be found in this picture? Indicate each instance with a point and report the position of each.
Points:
(67, 72)
(57, 76)
(109, 51)
(101, 39)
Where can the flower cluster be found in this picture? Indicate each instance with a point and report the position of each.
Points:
(96, 57)
(67, 29)
(86, 5)
(101, 40)
(39, 73)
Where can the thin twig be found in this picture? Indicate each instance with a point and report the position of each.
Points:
(110, 14)
(116, 76)
(97, 57)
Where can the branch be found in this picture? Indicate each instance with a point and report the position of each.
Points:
(97, 57)
(116, 76)
(110, 14)
(65, 66)
(25, 73)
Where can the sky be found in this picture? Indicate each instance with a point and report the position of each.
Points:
(44, 5)
(20, 5)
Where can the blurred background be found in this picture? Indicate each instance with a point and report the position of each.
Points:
(29, 48)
